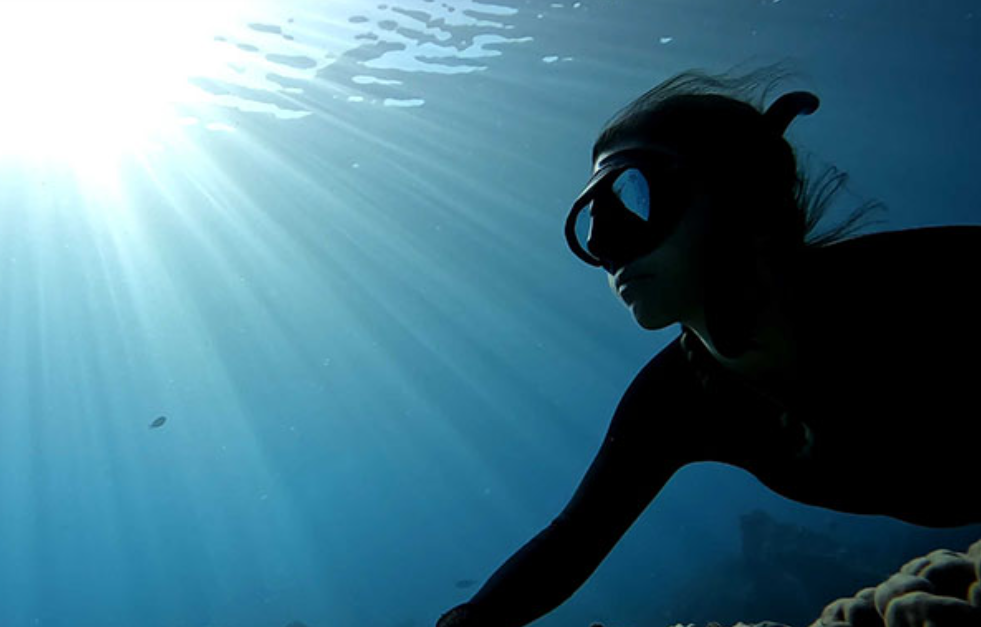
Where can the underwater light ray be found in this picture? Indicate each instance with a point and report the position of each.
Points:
(95, 80)
(193, 446)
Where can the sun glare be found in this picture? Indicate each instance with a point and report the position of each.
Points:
(85, 82)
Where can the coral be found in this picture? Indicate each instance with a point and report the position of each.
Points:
(940, 589)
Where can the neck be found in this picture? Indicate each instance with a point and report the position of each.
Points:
(770, 359)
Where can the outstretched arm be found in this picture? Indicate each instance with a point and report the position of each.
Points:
(645, 445)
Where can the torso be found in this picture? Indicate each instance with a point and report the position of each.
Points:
(883, 416)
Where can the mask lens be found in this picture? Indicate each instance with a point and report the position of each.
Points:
(584, 226)
(634, 193)
(611, 223)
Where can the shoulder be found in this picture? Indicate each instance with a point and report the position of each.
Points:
(887, 326)
(923, 248)
(667, 408)
(929, 235)
(663, 384)
(916, 276)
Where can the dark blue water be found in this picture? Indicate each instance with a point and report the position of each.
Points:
(337, 269)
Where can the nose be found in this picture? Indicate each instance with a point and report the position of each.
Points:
(601, 244)
(616, 238)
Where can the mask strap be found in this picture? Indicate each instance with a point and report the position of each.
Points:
(784, 109)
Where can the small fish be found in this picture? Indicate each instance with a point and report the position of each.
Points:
(156, 424)
(463, 584)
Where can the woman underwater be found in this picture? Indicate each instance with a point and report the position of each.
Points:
(839, 372)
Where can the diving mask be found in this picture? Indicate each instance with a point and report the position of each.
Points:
(630, 204)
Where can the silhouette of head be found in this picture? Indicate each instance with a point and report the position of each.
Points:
(668, 152)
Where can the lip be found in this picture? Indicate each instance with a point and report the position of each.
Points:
(625, 279)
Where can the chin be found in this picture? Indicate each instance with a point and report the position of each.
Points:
(648, 325)
(649, 322)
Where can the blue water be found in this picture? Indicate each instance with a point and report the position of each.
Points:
(343, 282)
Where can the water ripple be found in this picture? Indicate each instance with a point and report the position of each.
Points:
(372, 57)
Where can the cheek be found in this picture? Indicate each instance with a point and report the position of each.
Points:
(676, 281)
(680, 261)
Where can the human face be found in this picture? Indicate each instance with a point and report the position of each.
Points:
(666, 285)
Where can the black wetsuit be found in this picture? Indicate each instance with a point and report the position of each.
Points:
(883, 417)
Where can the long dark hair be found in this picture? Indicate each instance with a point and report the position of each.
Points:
(809, 196)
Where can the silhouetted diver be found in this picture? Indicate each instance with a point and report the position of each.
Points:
(840, 372)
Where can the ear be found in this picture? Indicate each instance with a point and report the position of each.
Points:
(732, 292)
